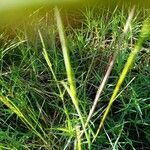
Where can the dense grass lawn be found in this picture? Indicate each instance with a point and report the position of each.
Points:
(50, 76)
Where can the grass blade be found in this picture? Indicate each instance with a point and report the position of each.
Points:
(17, 111)
(49, 63)
(78, 145)
(145, 32)
(70, 75)
(102, 85)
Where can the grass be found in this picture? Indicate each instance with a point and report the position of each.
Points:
(49, 83)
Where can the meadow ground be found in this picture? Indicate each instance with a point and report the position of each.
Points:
(50, 77)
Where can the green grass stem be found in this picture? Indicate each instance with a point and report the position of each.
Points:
(145, 32)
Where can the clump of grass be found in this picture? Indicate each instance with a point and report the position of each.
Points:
(37, 82)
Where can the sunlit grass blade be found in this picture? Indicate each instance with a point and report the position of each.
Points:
(111, 64)
(67, 61)
(16, 110)
(4, 147)
(78, 111)
(78, 141)
(49, 63)
(10, 105)
(145, 33)
(70, 75)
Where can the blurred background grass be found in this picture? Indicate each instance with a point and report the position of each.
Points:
(16, 10)
(14, 13)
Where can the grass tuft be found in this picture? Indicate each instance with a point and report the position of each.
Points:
(59, 76)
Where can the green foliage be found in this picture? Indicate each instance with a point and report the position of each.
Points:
(48, 84)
